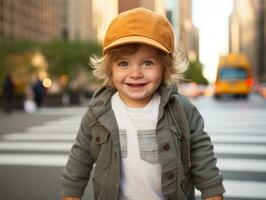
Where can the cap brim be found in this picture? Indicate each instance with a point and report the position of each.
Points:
(135, 39)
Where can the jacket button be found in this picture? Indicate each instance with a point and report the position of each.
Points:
(171, 177)
(166, 147)
(98, 103)
(97, 139)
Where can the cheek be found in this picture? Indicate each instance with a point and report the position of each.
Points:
(116, 76)
(157, 75)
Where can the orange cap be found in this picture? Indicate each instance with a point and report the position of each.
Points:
(140, 25)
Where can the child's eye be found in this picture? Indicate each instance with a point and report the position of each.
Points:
(122, 64)
(147, 63)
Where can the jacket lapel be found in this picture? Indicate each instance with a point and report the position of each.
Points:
(165, 93)
(101, 107)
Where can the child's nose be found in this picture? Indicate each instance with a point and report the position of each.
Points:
(136, 72)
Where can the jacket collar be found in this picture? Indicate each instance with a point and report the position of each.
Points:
(101, 101)
(166, 92)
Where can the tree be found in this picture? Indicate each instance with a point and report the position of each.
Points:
(69, 57)
(194, 73)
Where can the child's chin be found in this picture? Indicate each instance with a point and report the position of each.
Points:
(140, 97)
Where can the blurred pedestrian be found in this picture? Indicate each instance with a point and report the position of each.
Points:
(39, 92)
(29, 103)
(8, 93)
(146, 139)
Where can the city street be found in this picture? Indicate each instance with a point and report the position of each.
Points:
(34, 148)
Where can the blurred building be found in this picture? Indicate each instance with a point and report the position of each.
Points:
(247, 35)
(262, 41)
(179, 13)
(243, 31)
(188, 34)
(155, 5)
(172, 13)
(30, 19)
(45, 20)
(78, 20)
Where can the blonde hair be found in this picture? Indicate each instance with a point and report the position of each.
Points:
(174, 65)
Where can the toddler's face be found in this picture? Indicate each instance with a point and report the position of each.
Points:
(137, 76)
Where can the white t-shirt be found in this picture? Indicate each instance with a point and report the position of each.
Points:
(140, 167)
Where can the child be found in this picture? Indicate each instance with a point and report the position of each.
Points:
(146, 139)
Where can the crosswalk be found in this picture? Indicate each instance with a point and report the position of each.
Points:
(239, 143)
(239, 138)
(43, 145)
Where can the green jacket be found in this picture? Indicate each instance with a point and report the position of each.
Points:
(98, 142)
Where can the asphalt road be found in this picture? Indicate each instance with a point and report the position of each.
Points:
(34, 148)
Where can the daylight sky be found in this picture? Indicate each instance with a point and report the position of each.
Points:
(211, 18)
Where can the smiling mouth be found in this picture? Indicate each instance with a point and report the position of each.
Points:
(136, 84)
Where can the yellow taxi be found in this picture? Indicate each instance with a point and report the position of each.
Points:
(234, 76)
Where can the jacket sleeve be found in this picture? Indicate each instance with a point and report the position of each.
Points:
(206, 175)
(77, 171)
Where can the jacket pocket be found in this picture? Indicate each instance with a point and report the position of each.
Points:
(148, 146)
(101, 146)
(99, 135)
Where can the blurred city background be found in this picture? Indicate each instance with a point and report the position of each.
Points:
(46, 83)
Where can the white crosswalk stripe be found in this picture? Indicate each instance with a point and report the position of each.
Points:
(38, 136)
(240, 149)
(33, 160)
(233, 134)
(245, 165)
(239, 139)
(36, 146)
